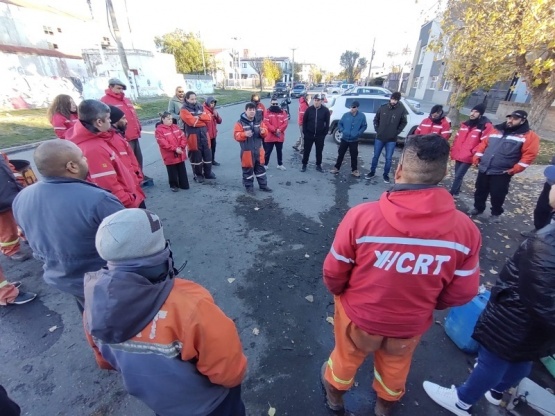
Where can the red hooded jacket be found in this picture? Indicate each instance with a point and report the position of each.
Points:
(212, 125)
(303, 105)
(273, 122)
(128, 156)
(61, 124)
(429, 127)
(467, 140)
(169, 138)
(107, 168)
(391, 268)
(134, 128)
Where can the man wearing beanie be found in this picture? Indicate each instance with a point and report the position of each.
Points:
(466, 142)
(119, 124)
(436, 122)
(389, 122)
(509, 149)
(175, 349)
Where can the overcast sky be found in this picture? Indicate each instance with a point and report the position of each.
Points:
(320, 30)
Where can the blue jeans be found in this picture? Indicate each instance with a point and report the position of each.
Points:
(389, 149)
(492, 372)
(460, 170)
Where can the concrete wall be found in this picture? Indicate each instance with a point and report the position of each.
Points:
(548, 125)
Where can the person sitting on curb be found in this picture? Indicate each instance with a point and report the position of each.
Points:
(175, 349)
(351, 126)
(515, 328)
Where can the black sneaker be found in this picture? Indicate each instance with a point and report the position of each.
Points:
(303, 169)
(24, 297)
(214, 163)
(528, 234)
(474, 212)
(266, 189)
(212, 176)
(370, 175)
(174, 189)
(319, 168)
(386, 179)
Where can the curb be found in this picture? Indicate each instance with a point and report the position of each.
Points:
(145, 122)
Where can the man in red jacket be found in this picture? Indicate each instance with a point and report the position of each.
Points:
(94, 135)
(389, 269)
(303, 105)
(437, 122)
(116, 97)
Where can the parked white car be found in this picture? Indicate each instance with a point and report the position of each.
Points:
(371, 90)
(369, 104)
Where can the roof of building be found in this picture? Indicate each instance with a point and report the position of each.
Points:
(24, 50)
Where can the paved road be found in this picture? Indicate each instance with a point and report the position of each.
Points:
(273, 246)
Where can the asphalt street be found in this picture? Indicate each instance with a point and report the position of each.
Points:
(260, 257)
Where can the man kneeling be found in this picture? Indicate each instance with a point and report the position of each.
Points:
(176, 350)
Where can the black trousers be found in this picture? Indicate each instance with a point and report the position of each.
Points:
(201, 159)
(542, 212)
(177, 176)
(8, 406)
(213, 147)
(353, 150)
(137, 150)
(268, 147)
(495, 186)
(308, 142)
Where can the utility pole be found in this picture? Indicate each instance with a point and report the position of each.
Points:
(293, 69)
(371, 60)
(117, 36)
(202, 51)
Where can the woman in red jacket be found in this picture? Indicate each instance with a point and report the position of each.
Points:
(173, 148)
(62, 114)
(276, 120)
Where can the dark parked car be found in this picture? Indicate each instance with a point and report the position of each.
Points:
(281, 89)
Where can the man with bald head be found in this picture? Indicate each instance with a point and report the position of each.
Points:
(391, 264)
(61, 214)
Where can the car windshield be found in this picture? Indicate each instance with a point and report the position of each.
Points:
(299, 87)
(280, 84)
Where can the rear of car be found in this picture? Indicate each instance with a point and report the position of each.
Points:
(281, 89)
(369, 105)
(298, 90)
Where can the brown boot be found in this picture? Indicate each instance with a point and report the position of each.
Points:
(334, 397)
(383, 407)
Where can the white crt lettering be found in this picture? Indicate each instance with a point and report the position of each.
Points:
(407, 262)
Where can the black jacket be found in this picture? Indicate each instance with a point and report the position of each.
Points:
(389, 122)
(518, 323)
(9, 188)
(316, 122)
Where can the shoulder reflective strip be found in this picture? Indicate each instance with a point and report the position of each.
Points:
(464, 273)
(10, 243)
(60, 128)
(426, 125)
(337, 379)
(478, 154)
(524, 165)
(340, 257)
(414, 242)
(495, 135)
(516, 139)
(99, 175)
(4, 283)
(378, 377)
(447, 131)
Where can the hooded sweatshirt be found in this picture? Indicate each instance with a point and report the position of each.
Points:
(133, 130)
(391, 269)
(175, 349)
(214, 119)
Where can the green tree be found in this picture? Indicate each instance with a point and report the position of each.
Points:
(187, 50)
(352, 65)
(271, 70)
(487, 41)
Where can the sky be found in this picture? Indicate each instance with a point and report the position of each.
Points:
(319, 30)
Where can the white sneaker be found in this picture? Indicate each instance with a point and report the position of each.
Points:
(489, 397)
(281, 167)
(446, 398)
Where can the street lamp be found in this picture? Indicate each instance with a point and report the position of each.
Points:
(293, 69)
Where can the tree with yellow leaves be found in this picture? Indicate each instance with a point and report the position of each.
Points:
(488, 40)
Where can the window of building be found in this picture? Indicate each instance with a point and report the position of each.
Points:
(422, 54)
(416, 83)
(447, 85)
(230, 75)
(433, 82)
(244, 65)
(52, 45)
(47, 30)
(59, 30)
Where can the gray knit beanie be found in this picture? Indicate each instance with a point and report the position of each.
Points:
(130, 234)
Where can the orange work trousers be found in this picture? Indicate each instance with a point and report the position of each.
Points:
(392, 357)
(8, 292)
(9, 236)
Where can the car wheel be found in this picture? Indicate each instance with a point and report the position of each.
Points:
(336, 135)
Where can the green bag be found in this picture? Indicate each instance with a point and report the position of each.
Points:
(549, 363)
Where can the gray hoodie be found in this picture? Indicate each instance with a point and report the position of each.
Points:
(174, 107)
